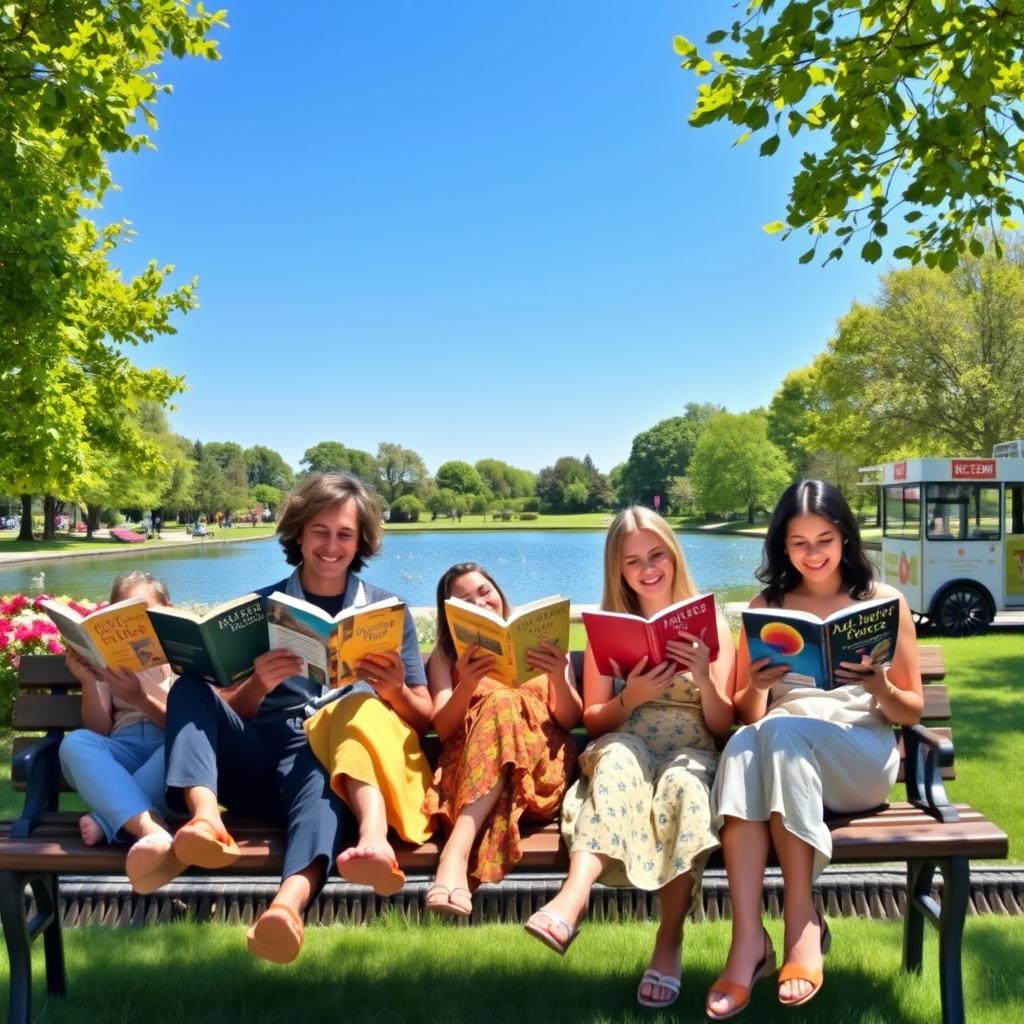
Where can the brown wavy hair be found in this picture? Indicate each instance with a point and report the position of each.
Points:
(322, 491)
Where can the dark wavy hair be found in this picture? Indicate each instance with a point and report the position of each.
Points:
(444, 591)
(325, 490)
(818, 498)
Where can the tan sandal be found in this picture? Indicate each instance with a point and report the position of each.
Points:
(201, 843)
(277, 935)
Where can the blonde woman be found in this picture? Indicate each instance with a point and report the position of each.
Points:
(640, 815)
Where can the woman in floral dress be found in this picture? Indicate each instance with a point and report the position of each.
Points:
(639, 814)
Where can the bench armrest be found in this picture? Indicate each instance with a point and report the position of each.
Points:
(926, 754)
(39, 767)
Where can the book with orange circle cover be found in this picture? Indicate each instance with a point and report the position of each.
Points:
(814, 647)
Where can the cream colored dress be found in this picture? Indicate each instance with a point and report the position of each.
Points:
(813, 749)
(642, 798)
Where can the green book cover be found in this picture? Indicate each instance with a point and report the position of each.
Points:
(219, 646)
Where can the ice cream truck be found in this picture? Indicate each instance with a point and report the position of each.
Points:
(953, 536)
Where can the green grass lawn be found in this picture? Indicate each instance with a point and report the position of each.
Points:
(395, 971)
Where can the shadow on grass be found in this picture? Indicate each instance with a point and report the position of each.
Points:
(425, 974)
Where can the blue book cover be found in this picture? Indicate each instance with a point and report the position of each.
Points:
(813, 647)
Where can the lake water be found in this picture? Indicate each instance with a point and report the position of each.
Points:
(529, 564)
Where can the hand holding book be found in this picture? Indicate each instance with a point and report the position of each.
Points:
(384, 671)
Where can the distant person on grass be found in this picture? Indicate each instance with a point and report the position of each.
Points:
(117, 761)
(246, 748)
(640, 813)
(507, 754)
(806, 748)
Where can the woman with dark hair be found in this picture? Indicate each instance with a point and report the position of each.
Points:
(506, 755)
(245, 747)
(804, 748)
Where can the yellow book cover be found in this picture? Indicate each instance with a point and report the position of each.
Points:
(509, 639)
(331, 646)
(119, 635)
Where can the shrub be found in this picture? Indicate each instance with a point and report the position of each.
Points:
(527, 515)
(407, 509)
(24, 630)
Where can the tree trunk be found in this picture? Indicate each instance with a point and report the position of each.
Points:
(49, 511)
(25, 533)
(92, 520)
(750, 514)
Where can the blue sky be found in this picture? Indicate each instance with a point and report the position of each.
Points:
(474, 229)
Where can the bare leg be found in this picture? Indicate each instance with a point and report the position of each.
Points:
(144, 824)
(803, 934)
(745, 845)
(668, 941)
(203, 803)
(570, 902)
(367, 803)
(453, 864)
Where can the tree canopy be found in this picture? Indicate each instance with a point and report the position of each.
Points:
(736, 466)
(934, 367)
(905, 110)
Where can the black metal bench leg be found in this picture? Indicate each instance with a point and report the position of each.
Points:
(19, 945)
(956, 890)
(46, 890)
(919, 887)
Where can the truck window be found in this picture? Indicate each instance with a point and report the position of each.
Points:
(902, 512)
(1014, 508)
(962, 512)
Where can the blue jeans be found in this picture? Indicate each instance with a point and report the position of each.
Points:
(118, 776)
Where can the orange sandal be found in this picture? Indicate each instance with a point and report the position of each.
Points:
(801, 972)
(277, 934)
(200, 843)
(740, 994)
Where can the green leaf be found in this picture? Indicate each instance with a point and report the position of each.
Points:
(871, 252)
(976, 247)
(770, 145)
(807, 256)
(716, 37)
(773, 228)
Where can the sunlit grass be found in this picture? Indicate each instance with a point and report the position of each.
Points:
(394, 971)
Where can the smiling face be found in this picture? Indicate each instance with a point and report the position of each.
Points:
(477, 589)
(814, 546)
(648, 569)
(329, 542)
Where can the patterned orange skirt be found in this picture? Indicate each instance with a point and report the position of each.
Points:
(505, 730)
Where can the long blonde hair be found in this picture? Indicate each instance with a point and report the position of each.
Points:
(618, 596)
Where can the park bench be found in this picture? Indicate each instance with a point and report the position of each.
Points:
(927, 832)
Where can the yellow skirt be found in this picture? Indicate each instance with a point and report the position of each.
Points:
(360, 737)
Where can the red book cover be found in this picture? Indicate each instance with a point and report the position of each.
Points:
(625, 638)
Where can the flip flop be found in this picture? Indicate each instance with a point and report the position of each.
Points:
(200, 843)
(151, 863)
(652, 977)
(277, 934)
(544, 933)
(379, 872)
(449, 902)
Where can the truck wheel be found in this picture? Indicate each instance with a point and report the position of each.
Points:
(963, 610)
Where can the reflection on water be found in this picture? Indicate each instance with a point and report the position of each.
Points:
(529, 564)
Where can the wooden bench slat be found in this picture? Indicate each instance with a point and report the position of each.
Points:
(37, 712)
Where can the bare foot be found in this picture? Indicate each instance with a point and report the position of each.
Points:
(92, 832)
(373, 865)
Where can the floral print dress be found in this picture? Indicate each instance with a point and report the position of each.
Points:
(509, 729)
(642, 798)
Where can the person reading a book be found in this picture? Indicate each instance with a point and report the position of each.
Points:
(640, 813)
(506, 751)
(245, 747)
(117, 761)
(806, 748)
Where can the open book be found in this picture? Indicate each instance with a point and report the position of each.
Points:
(813, 647)
(625, 638)
(331, 646)
(509, 639)
(119, 635)
(218, 646)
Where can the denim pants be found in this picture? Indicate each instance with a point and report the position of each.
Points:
(258, 767)
(118, 776)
